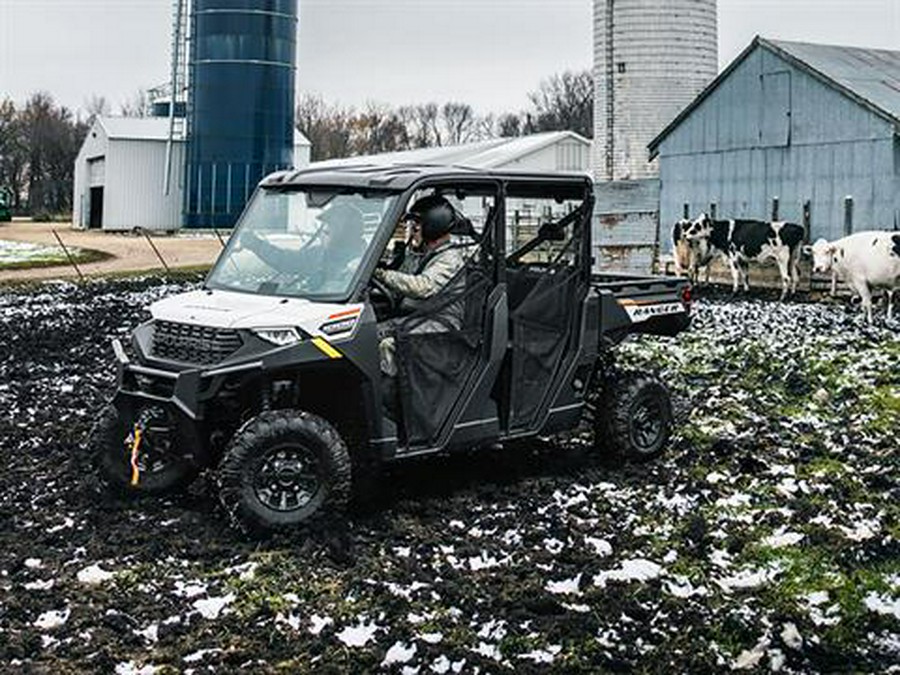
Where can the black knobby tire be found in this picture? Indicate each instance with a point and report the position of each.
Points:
(634, 421)
(108, 446)
(284, 469)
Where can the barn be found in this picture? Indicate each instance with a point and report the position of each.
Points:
(120, 175)
(802, 132)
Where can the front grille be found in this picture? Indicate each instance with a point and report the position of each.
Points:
(193, 344)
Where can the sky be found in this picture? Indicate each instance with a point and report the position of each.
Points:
(489, 53)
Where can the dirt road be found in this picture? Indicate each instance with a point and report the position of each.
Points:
(131, 252)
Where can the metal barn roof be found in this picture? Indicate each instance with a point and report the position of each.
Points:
(489, 154)
(871, 77)
(136, 128)
(153, 129)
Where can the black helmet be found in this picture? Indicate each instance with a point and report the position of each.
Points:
(436, 215)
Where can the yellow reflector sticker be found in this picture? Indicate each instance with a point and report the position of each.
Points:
(326, 348)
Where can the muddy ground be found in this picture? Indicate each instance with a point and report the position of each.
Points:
(765, 539)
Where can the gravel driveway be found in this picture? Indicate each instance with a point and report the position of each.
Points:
(767, 538)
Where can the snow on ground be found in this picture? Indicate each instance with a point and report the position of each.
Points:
(23, 252)
(767, 537)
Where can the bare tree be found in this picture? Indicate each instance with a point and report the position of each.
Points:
(563, 102)
(53, 139)
(509, 125)
(459, 122)
(96, 106)
(378, 129)
(328, 128)
(137, 106)
(13, 152)
(427, 126)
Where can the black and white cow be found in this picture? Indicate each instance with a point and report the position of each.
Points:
(743, 241)
(690, 255)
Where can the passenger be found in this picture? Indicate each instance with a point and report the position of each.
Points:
(422, 276)
(407, 254)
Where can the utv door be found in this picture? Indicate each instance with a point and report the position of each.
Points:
(441, 347)
(547, 276)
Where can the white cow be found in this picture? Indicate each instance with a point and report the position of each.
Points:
(864, 261)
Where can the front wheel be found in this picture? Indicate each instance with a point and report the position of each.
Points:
(140, 457)
(284, 469)
(635, 417)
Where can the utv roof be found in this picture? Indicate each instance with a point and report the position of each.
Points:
(401, 176)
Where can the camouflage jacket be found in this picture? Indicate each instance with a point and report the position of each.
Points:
(435, 270)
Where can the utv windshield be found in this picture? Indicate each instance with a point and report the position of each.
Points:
(300, 243)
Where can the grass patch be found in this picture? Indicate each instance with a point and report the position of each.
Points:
(81, 256)
(884, 405)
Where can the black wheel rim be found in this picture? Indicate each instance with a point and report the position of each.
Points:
(287, 478)
(157, 450)
(647, 424)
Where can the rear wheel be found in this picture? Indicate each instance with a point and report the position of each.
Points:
(284, 469)
(157, 464)
(634, 419)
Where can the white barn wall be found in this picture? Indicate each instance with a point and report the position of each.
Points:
(565, 156)
(135, 176)
(95, 145)
(301, 155)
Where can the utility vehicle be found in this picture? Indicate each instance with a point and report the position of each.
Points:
(269, 374)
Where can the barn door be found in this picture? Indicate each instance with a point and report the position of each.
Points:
(775, 120)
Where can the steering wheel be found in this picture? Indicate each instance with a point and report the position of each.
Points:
(393, 301)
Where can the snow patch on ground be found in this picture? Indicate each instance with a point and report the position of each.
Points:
(358, 635)
(52, 619)
(637, 569)
(211, 608)
(94, 575)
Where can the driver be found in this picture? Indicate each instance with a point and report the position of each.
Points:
(337, 247)
(435, 261)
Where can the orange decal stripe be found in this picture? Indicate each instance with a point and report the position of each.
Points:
(346, 313)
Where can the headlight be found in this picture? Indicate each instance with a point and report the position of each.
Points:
(278, 336)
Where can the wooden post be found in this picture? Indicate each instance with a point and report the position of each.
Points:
(807, 221)
(155, 250)
(848, 215)
(68, 255)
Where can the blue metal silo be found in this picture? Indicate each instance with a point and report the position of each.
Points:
(240, 105)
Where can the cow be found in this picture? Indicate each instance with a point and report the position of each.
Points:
(864, 260)
(742, 241)
(689, 255)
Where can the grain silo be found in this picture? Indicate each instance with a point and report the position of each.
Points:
(240, 103)
(651, 58)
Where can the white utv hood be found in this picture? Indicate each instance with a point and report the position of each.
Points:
(228, 309)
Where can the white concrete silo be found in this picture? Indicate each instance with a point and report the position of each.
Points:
(651, 58)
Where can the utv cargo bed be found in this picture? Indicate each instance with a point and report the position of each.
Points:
(633, 303)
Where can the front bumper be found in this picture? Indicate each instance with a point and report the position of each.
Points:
(186, 390)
